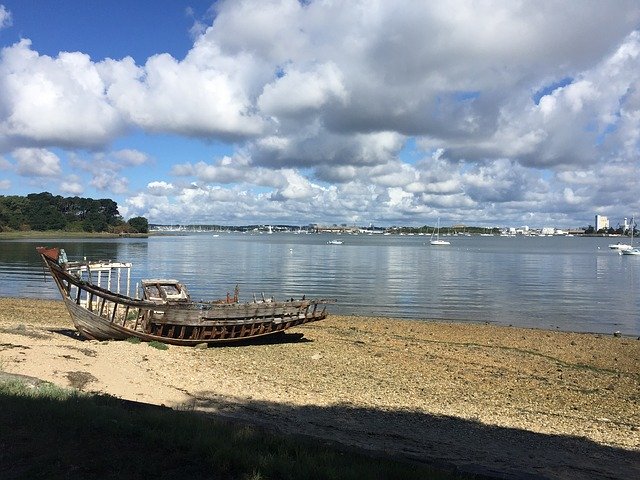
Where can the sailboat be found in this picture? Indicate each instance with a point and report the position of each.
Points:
(437, 240)
(619, 246)
(630, 250)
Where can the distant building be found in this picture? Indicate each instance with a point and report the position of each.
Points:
(602, 222)
(317, 228)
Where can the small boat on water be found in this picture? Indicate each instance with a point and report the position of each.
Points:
(334, 242)
(437, 240)
(620, 246)
(165, 313)
(629, 250)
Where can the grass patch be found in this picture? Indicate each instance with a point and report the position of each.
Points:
(134, 340)
(159, 345)
(49, 432)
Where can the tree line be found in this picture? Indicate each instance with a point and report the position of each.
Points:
(590, 230)
(44, 211)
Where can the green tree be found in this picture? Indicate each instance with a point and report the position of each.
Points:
(12, 212)
(139, 224)
(94, 221)
(109, 209)
(43, 212)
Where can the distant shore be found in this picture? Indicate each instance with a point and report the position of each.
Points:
(12, 235)
(15, 235)
(499, 399)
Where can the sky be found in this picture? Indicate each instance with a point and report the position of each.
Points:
(483, 112)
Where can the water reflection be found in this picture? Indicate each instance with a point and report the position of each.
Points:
(571, 284)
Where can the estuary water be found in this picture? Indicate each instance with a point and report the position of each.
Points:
(565, 283)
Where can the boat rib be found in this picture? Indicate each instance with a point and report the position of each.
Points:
(166, 313)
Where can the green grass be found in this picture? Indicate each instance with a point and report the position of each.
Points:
(53, 433)
(158, 345)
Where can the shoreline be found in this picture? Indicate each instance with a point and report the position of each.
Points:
(55, 233)
(48, 234)
(472, 394)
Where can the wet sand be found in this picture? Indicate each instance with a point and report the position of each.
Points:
(502, 401)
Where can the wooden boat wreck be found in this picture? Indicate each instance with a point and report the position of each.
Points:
(165, 312)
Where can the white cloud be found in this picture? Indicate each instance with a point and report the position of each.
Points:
(130, 157)
(398, 198)
(235, 169)
(5, 184)
(160, 188)
(186, 97)
(189, 204)
(72, 185)
(270, 30)
(393, 174)
(300, 91)
(6, 19)
(37, 162)
(296, 188)
(110, 182)
(500, 181)
(53, 101)
(356, 110)
(587, 121)
(312, 146)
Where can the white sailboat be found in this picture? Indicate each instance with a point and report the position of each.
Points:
(630, 250)
(437, 240)
(620, 246)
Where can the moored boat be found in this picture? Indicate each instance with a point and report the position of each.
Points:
(165, 313)
(437, 240)
(629, 249)
(620, 246)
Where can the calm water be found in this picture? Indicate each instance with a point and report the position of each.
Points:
(569, 283)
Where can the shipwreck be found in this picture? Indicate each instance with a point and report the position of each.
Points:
(165, 312)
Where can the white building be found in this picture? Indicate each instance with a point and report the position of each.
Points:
(601, 222)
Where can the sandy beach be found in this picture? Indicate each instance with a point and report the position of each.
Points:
(501, 401)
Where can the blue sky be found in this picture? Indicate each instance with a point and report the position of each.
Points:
(297, 112)
(102, 29)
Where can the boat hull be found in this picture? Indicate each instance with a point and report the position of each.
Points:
(621, 247)
(100, 314)
(439, 242)
(96, 327)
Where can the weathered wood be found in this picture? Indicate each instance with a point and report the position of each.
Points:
(172, 318)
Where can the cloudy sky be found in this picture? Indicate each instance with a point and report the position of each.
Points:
(393, 113)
